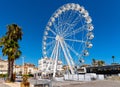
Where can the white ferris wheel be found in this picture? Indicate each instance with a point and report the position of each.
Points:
(67, 36)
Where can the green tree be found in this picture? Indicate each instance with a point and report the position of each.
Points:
(101, 63)
(10, 46)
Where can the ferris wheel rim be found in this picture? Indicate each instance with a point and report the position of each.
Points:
(67, 7)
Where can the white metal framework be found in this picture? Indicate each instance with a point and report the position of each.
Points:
(68, 35)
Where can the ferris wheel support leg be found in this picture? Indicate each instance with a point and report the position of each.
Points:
(67, 59)
(73, 64)
(56, 60)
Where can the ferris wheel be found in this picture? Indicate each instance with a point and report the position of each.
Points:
(67, 36)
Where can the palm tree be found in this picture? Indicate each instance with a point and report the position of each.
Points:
(101, 63)
(113, 57)
(10, 46)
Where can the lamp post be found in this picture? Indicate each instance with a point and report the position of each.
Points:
(23, 65)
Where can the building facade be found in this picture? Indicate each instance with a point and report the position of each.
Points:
(18, 69)
(46, 64)
(28, 68)
(3, 66)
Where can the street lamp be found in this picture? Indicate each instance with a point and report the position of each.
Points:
(23, 65)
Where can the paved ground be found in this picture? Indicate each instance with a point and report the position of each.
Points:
(97, 83)
(13, 84)
(1, 83)
(104, 83)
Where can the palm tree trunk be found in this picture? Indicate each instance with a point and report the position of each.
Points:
(10, 70)
(8, 78)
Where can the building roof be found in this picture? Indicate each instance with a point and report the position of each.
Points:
(3, 60)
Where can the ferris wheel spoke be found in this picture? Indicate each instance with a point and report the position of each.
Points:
(68, 28)
(50, 37)
(75, 31)
(59, 27)
(72, 25)
(77, 19)
(65, 23)
(71, 16)
(52, 56)
(76, 53)
(73, 20)
(64, 28)
(59, 20)
(55, 26)
(66, 56)
(68, 52)
(60, 24)
(52, 48)
(66, 16)
(50, 43)
(53, 32)
(80, 41)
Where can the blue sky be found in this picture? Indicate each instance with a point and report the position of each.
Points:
(33, 15)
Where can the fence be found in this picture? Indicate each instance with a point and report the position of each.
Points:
(84, 77)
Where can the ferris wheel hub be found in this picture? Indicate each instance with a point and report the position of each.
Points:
(59, 38)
